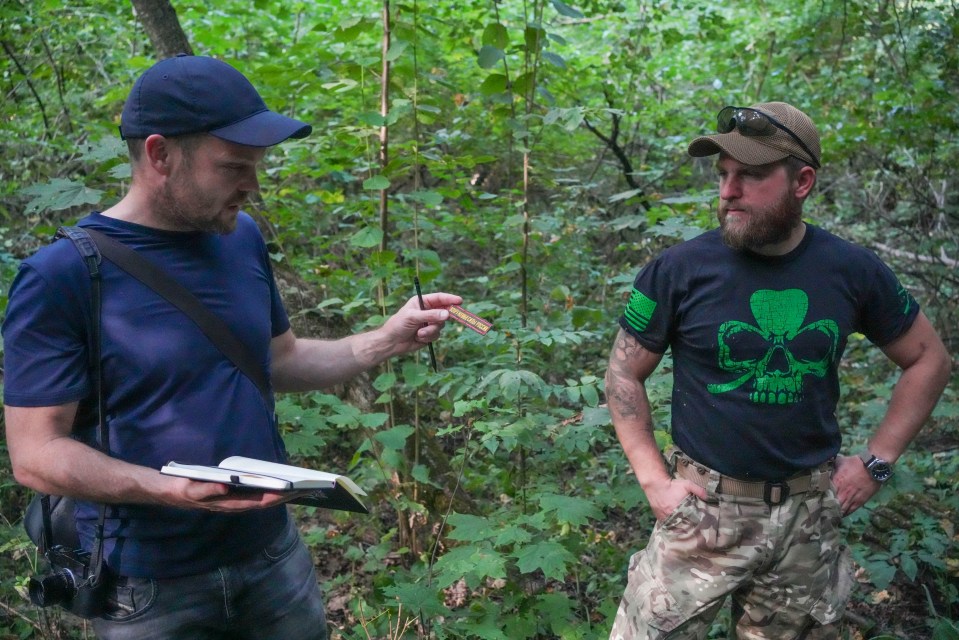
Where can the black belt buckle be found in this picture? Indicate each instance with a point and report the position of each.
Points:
(768, 489)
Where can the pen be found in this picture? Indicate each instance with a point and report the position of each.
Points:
(419, 294)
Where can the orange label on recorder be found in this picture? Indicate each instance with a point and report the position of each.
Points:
(471, 320)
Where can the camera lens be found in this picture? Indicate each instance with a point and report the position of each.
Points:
(55, 588)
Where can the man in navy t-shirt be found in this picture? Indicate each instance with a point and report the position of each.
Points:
(185, 558)
(756, 315)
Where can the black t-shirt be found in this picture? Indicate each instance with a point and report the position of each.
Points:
(756, 342)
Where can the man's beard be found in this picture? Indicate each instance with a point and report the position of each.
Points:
(766, 226)
(186, 208)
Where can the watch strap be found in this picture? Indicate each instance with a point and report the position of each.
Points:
(871, 462)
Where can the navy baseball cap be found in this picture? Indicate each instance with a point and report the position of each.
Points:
(196, 94)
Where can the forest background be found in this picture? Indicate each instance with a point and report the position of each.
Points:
(528, 155)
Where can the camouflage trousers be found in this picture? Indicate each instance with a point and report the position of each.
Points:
(784, 565)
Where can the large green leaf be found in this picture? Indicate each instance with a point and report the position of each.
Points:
(566, 10)
(396, 437)
(489, 55)
(572, 510)
(418, 598)
(367, 237)
(429, 198)
(376, 183)
(397, 47)
(549, 557)
(493, 84)
(58, 194)
(496, 35)
(469, 528)
(472, 562)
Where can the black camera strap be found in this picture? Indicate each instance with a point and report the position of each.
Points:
(91, 257)
(212, 326)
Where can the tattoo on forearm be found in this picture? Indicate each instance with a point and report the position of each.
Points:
(625, 348)
(625, 393)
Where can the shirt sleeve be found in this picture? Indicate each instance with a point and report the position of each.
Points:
(650, 310)
(279, 319)
(46, 360)
(888, 309)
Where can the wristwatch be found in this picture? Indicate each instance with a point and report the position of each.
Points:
(879, 469)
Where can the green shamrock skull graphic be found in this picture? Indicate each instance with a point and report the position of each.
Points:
(778, 354)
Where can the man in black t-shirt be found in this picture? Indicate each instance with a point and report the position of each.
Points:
(756, 315)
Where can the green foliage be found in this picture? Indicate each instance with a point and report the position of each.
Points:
(503, 506)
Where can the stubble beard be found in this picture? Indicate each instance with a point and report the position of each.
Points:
(761, 227)
(187, 208)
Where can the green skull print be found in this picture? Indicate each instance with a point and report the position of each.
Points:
(776, 353)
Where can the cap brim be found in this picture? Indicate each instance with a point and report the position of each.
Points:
(742, 148)
(263, 129)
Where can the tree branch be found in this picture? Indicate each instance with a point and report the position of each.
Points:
(612, 143)
(59, 75)
(942, 258)
(43, 112)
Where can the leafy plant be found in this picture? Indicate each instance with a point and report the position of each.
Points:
(536, 160)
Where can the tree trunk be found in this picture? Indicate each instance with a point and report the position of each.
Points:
(162, 26)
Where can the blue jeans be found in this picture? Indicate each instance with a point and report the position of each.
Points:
(274, 595)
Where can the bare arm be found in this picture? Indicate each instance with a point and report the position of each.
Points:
(44, 457)
(630, 364)
(926, 368)
(302, 364)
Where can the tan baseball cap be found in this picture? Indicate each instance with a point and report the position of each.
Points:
(754, 139)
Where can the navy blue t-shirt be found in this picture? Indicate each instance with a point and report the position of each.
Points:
(170, 394)
(756, 342)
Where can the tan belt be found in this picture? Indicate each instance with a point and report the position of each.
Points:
(773, 493)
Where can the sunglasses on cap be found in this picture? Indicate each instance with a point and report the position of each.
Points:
(752, 123)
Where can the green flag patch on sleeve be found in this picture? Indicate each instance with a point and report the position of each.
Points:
(639, 310)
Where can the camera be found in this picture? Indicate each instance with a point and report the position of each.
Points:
(69, 583)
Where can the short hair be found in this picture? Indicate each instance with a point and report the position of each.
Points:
(135, 149)
(188, 144)
(794, 165)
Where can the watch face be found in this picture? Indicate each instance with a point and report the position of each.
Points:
(880, 470)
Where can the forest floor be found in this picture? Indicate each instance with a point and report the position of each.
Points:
(905, 610)
(901, 611)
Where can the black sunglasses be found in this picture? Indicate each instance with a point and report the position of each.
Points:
(750, 122)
